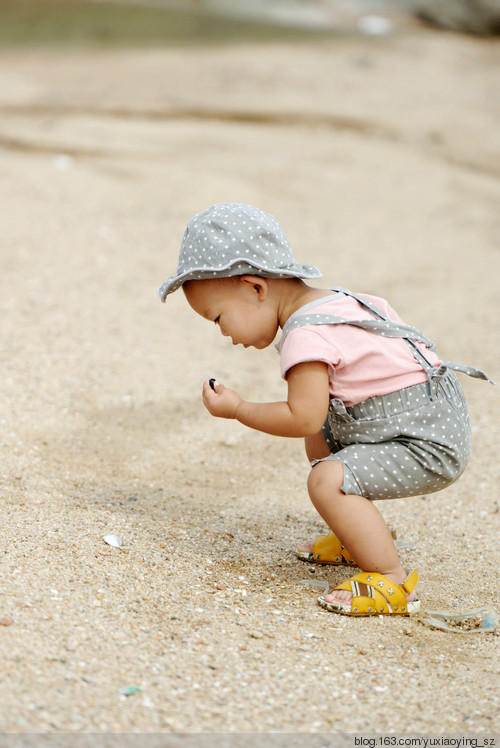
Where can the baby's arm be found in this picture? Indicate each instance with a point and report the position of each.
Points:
(303, 414)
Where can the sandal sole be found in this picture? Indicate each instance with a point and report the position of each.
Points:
(412, 607)
(309, 558)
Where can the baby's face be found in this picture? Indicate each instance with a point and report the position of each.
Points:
(243, 310)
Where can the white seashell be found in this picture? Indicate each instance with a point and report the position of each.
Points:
(113, 540)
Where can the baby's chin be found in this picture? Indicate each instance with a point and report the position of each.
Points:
(262, 345)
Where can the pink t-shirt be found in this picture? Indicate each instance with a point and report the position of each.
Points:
(362, 364)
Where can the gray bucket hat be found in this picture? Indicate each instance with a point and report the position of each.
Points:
(234, 239)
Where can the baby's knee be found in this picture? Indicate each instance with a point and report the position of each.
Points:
(326, 476)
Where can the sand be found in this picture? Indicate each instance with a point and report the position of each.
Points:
(380, 157)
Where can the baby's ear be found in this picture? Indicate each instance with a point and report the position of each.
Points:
(257, 283)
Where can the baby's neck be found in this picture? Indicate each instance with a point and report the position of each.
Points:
(293, 294)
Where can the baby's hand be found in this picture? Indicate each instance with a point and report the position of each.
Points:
(219, 400)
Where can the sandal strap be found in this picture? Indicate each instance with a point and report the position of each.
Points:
(329, 548)
(410, 584)
(374, 593)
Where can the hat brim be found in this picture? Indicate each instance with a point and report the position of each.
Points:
(236, 267)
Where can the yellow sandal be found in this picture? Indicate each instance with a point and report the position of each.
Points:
(328, 549)
(374, 594)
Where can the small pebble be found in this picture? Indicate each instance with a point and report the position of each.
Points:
(129, 690)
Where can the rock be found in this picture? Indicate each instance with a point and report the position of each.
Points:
(256, 634)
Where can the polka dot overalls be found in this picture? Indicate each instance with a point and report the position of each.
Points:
(413, 441)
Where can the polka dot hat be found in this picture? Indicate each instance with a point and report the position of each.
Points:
(234, 239)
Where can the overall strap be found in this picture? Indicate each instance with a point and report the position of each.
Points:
(381, 326)
(387, 329)
(431, 370)
(361, 299)
(414, 334)
(471, 371)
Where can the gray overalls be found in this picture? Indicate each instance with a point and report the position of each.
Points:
(413, 441)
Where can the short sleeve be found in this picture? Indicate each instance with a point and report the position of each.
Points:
(307, 343)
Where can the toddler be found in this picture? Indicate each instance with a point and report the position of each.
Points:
(382, 416)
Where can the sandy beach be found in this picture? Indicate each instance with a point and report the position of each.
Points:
(381, 159)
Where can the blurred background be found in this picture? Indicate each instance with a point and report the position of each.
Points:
(200, 21)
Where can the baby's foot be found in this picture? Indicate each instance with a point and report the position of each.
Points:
(325, 549)
(344, 597)
(305, 547)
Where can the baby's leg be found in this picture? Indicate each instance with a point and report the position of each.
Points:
(357, 523)
(316, 449)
